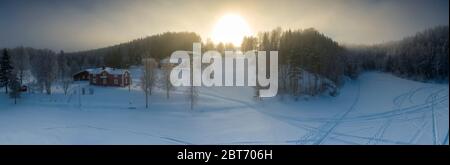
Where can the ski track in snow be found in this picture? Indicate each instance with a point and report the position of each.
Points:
(422, 114)
(398, 102)
(318, 135)
(170, 139)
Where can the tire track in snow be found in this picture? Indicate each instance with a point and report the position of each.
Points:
(419, 132)
(302, 126)
(445, 141)
(398, 102)
(319, 137)
(374, 139)
(377, 139)
(332, 122)
(253, 107)
(175, 140)
(342, 117)
(432, 99)
(377, 116)
(402, 111)
(380, 132)
(339, 134)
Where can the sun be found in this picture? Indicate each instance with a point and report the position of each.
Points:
(231, 28)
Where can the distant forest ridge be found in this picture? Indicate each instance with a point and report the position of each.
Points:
(424, 56)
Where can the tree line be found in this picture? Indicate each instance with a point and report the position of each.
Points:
(40, 69)
(310, 63)
(422, 57)
(124, 55)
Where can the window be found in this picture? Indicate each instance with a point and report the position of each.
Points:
(116, 81)
(104, 81)
(94, 80)
(103, 75)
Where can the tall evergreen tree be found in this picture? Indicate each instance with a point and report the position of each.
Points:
(5, 70)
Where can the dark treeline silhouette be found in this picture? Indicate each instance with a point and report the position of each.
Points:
(123, 55)
(309, 62)
(422, 57)
(47, 66)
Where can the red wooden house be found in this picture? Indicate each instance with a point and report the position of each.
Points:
(109, 77)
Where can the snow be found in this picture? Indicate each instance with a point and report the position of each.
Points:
(378, 108)
(114, 71)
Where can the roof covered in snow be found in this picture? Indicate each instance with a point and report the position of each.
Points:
(107, 69)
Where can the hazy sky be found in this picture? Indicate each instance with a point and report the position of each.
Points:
(79, 25)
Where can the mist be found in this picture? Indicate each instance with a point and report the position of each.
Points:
(82, 25)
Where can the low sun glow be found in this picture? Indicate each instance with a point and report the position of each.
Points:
(231, 28)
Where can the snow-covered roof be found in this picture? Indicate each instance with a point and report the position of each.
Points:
(114, 71)
(165, 61)
(79, 72)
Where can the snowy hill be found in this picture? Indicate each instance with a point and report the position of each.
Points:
(377, 108)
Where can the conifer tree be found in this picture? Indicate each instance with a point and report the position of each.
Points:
(5, 70)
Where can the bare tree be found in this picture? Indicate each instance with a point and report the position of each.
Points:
(51, 70)
(45, 69)
(65, 72)
(294, 77)
(15, 89)
(148, 77)
(165, 78)
(21, 61)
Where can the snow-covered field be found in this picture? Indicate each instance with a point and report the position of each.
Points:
(377, 108)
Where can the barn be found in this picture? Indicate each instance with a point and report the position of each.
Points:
(81, 76)
(106, 76)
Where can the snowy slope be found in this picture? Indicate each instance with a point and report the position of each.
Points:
(377, 108)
